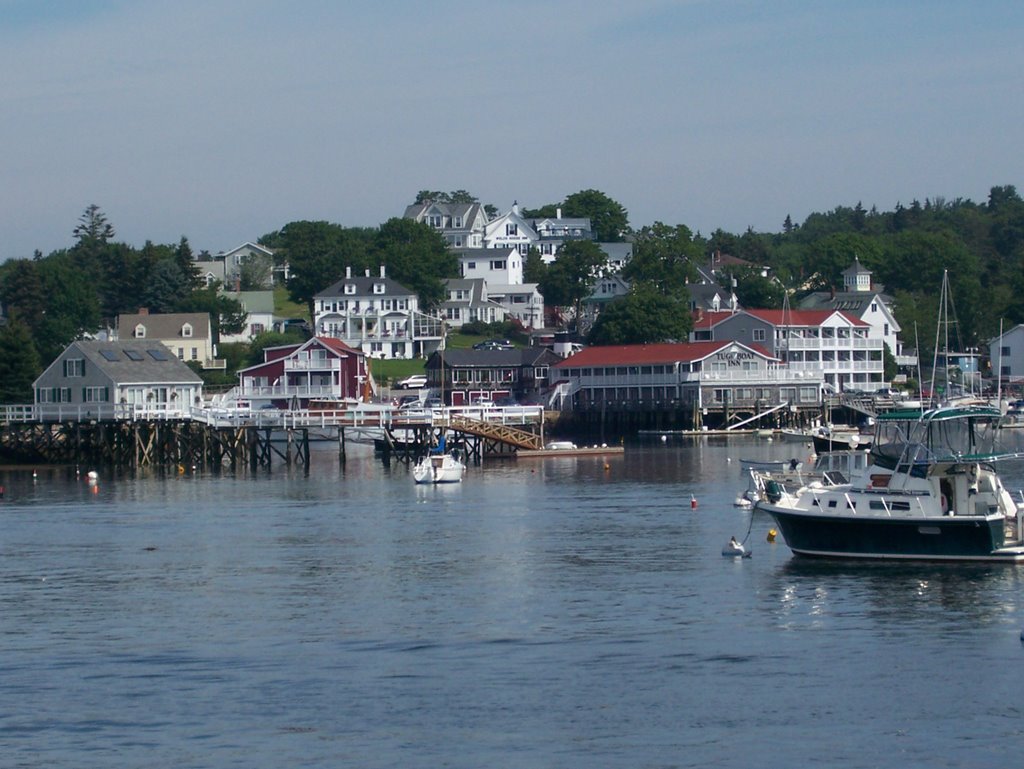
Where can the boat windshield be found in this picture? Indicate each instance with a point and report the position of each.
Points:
(947, 433)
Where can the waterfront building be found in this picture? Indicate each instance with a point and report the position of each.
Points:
(290, 376)
(117, 378)
(723, 376)
(840, 350)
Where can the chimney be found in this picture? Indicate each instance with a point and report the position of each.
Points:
(515, 207)
(558, 213)
(382, 269)
(348, 271)
(366, 272)
(143, 311)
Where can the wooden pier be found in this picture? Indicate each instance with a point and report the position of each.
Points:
(212, 439)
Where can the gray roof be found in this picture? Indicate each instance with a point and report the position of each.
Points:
(847, 301)
(124, 370)
(517, 358)
(164, 325)
(364, 287)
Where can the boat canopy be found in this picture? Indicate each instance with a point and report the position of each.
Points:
(954, 433)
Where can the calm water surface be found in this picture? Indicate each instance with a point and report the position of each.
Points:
(550, 613)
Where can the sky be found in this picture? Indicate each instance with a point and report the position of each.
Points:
(223, 120)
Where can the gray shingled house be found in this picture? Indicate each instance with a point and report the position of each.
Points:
(117, 379)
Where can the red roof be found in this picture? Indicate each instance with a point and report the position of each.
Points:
(338, 346)
(803, 318)
(626, 354)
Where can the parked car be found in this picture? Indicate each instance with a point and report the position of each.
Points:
(494, 344)
(414, 381)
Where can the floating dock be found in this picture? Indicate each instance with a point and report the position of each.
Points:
(580, 451)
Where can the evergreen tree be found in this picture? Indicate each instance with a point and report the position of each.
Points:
(19, 363)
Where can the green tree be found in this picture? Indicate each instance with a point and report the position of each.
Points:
(317, 253)
(227, 316)
(19, 363)
(570, 278)
(608, 218)
(187, 264)
(22, 291)
(644, 316)
(753, 290)
(664, 257)
(417, 256)
(534, 267)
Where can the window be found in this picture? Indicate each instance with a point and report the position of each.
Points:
(511, 230)
(74, 367)
(133, 355)
(350, 288)
(498, 265)
(759, 335)
(110, 355)
(140, 331)
(186, 330)
(181, 353)
(457, 222)
(195, 353)
(434, 220)
(95, 395)
(378, 288)
(160, 355)
(1005, 350)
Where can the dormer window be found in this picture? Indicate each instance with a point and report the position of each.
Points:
(186, 330)
(378, 288)
(140, 332)
(457, 222)
(350, 288)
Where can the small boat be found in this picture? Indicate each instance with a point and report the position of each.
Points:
(734, 549)
(559, 446)
(769, 465)
(930, 491)
(827, 439)
(439, 466)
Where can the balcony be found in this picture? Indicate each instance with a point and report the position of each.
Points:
(315, 364)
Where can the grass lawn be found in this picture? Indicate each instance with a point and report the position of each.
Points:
(285, 307)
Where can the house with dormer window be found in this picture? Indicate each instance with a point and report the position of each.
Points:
(553, 232)
(187, 335)
(460, 224)
(117, 379)
(510, 230)
(376, 315)
(468, 302)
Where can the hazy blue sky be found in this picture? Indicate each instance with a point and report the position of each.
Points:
(224, 120)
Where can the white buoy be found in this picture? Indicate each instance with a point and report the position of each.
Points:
(664, 438)
(92, 475)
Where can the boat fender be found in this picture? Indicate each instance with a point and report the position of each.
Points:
(943, 503)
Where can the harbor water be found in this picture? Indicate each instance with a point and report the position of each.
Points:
(561, 612)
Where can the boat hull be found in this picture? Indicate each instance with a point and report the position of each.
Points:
(949, 538)
(437, 469)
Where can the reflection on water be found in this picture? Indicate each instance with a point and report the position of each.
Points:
(573, 611)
